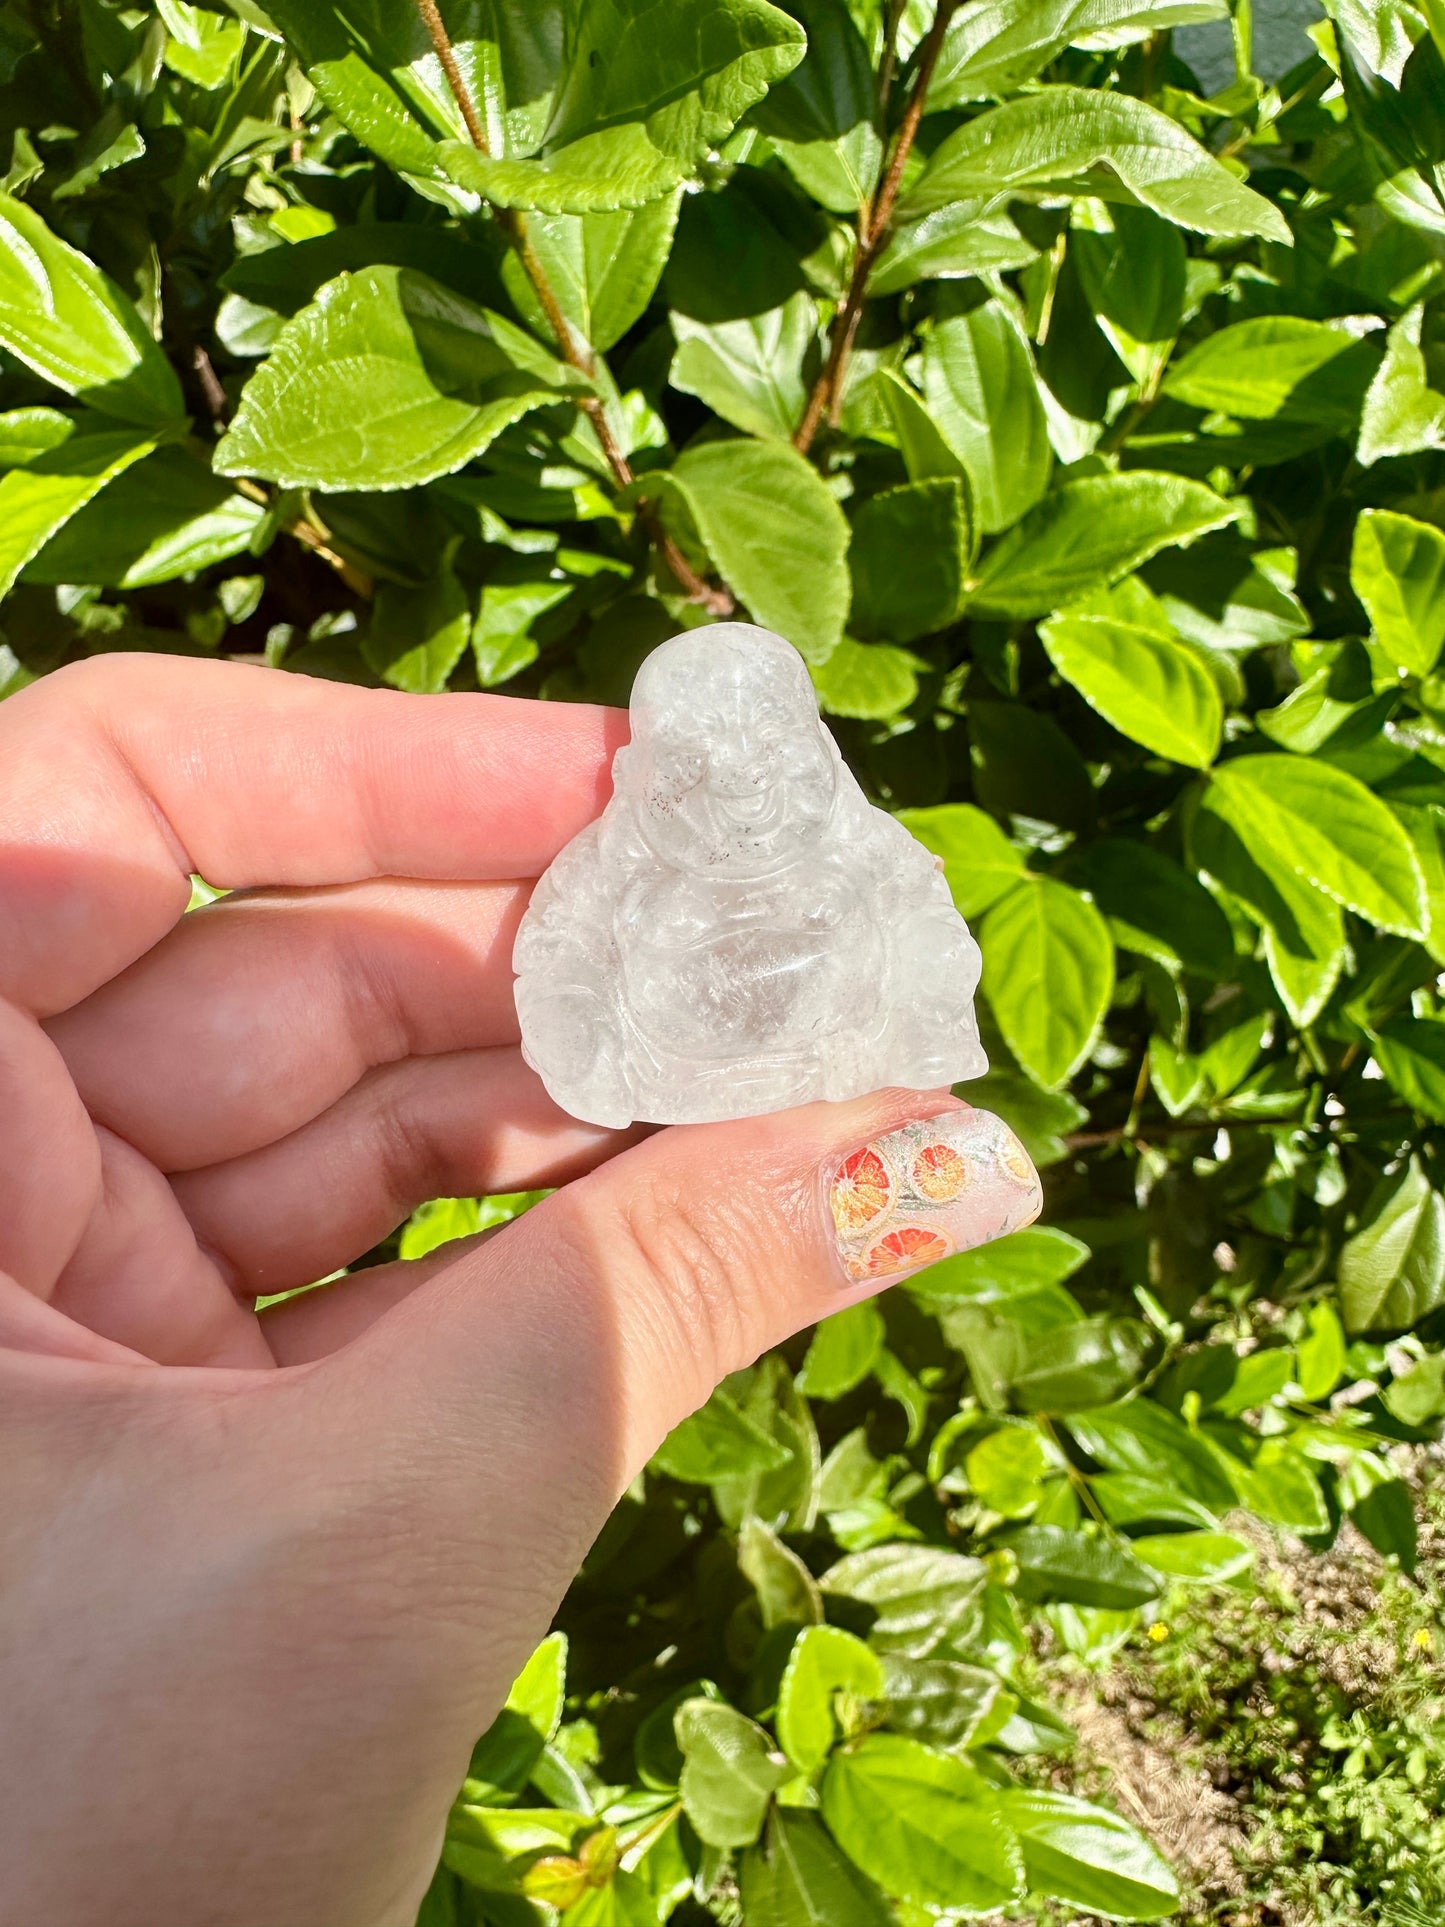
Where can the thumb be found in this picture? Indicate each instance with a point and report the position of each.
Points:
(552, 1359)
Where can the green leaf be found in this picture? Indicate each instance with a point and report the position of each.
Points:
(729, 1772)
(636, 107)
(538, 1690)
(943, 1702)
(1130, 1499)
(167, 516)
(920, 442)
(65, 319)
(821, 118)
(1397, 569)
(1155, 906)
(1411, 1053)
(1118, 651)
(1320, 1354)
(952, 242)
(1297, 816)
(921, 1596)
(1005, 1469)
(1048, 973)
(718, 1441)
(1040, 1119)
(1026, 1261)
(983, 394)
(776, 534)
(1418, 1396)
(787, 1592)
(386, 380)
(419, 635)
(909, 557)
(38, 500)
(1134, 270)
(1147, 1441)
(603, 267)
(844, 1350)
(751, 371)
(980, 863)
(871, 681)
(922, 1824)
(1089, 532)
(1381, 1506)
(1075, 1365)
(1277, 367)
(1088, 1857)
(512, 1745)
(992, 47)
(1058, 134)
(1206, 1557)
(1056, 1563)
(798, 1878)
(1392, 1271)
(825, 1662)
(1403, 414)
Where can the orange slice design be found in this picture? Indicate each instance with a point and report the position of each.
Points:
(938, 1173)
(1015, 1160)
(906, 1248)
(863, 1191)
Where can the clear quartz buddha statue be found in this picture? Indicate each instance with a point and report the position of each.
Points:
(740, 930)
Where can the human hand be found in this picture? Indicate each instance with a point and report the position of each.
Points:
(267, 1577)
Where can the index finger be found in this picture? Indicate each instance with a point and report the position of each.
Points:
(121, 776)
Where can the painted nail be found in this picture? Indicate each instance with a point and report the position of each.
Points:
(928, 1190)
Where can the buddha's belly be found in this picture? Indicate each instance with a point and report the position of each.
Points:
(754, 989)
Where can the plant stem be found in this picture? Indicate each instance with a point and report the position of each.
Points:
(513, 224)
(872, 233)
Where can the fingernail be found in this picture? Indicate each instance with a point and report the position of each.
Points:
(928, 1190)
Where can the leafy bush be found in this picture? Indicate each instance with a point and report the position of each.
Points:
(1071, 407)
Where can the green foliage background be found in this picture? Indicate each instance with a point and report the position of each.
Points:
(1073, 408)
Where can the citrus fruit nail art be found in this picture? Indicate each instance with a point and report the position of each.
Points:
(863, 1191)
(928, 1190)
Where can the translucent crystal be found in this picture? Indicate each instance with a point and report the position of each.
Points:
(740, 930)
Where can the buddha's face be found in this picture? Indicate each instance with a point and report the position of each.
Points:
(735, 775)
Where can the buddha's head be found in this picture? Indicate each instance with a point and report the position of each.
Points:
(730, 768)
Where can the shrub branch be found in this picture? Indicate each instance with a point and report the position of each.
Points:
(513, 223)
(873, 223)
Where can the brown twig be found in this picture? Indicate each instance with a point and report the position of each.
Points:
(872, 234)
(513, 223)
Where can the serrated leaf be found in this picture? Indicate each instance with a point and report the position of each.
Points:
(983, 395)
(1089, 532)
(824, 1662)
(636, 108)
(991, 48)
(909, 557)
(1403, 414)
(921, 1596)
(386, 380)
(729, 1772)
(787, 1592)
(1148, 1441)
(1089, 1857)
(1048, 973)
(750, 371)
(1060, 133)
(1134, 270)
(821, 118)
(1118, 652)
(1005, 1468)
(871, 681)
(1277, 366)
(603, 267)
(921, 1824)
(1397, 569)
(1155, 906)
(843, 1351)
(65, 319)
(776, 534)
(1207, 1558)
(1392, 1271)
(1298, 816)
(418, 635)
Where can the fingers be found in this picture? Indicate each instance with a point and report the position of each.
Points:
(595, 1323)
(121, 775)
(50, 1172)
(460, 1125)
(254, 1015)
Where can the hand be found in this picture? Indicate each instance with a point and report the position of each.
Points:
(266, 1578)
